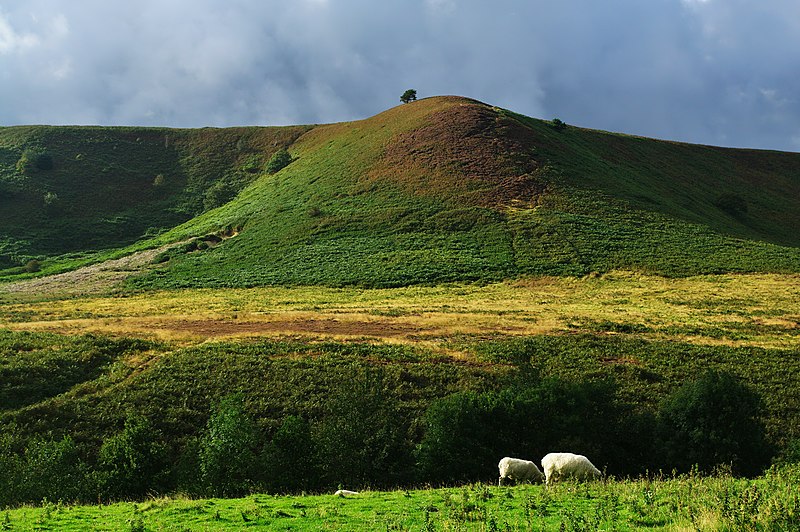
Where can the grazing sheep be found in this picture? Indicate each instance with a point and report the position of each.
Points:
(558, 466)
(518, 470)
(344, 493)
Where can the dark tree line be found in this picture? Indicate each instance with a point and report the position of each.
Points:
(367, 438)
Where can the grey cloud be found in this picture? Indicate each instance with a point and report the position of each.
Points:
(716, 71)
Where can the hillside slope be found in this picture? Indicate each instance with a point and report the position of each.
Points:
(448, 188)
(79, 189)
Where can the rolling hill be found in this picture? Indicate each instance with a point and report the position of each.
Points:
(442, 189)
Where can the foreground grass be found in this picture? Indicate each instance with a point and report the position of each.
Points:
(757, 310)
(770, 502)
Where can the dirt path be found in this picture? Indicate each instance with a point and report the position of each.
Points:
(88, 280)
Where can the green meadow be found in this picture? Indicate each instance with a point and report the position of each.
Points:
(682, 503)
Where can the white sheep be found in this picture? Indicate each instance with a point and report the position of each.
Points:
(518, 470)
(345, 493)
(558, 466)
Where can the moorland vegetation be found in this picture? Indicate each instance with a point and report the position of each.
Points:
(398, 302)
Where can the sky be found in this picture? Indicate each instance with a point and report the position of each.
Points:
(721, 72)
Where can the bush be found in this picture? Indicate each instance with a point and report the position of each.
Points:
(279, 160)
(32, 160)
(460, 441)
(32, 266)
(132, 462)
(289, 461)
(557, 124)
(467, 433)
(363, 438)
(227, 452)
(712, 421)
(52, 469)
(11, 466)
(218, 194)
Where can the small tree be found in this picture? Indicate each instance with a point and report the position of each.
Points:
(132, 462)
(711, 421)
(409, 96)
(289, 462)
(51, 469)
(279, 160)
(228, 449)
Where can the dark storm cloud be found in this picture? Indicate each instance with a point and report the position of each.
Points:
(715, 71)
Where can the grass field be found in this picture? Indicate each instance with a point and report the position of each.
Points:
(684, 503)
(735, 310)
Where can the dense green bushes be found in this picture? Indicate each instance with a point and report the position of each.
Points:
(312, 416)
(364, 438)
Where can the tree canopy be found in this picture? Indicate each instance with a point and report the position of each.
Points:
(408, 96)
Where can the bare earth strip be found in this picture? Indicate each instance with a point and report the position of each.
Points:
(89, 280)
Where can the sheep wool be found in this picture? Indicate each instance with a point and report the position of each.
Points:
(518, 470)
(560, 466)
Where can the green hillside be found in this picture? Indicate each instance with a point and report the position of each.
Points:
(82, 189)
(442, 189)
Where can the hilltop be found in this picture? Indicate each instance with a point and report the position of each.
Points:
(442, 189)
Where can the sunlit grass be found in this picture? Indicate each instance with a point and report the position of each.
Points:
(684, 503)
(737, 310)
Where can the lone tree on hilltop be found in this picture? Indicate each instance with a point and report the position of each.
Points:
(409, 96)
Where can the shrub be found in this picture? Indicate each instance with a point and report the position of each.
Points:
(289, 461)
(467, 432)
(557, 124)
(218, 194)
(363, 437)
(460, 439)
(32, 266)
(712, 421)
(32, 160)
(227, 452)
(251, 164)
(50, 198)
(279, 160)
(11, 466)
(132, 462)
(52, 469)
